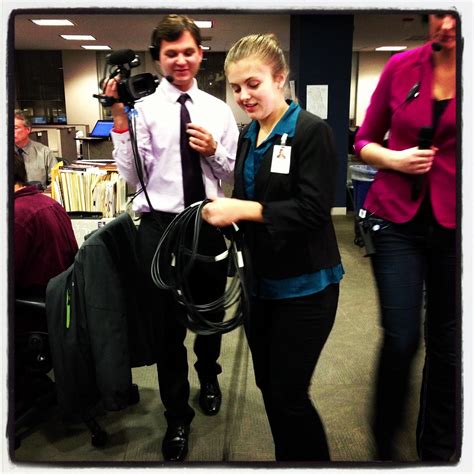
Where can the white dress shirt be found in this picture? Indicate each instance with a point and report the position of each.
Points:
(158, 130)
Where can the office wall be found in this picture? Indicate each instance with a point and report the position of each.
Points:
(80, 82)
(239, 114)
(370, 67)
(352, 101)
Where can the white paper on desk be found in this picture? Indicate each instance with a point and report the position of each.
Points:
(317, 100)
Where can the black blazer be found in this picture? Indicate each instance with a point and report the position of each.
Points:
(297, 235)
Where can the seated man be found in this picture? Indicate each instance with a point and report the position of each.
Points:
(44, 241)
(44, 246)
(38, 158)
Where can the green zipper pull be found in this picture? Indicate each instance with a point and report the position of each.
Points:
(68, 308)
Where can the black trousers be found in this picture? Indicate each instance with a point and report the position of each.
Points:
(207, 283)
(286, 338)
(410, 259)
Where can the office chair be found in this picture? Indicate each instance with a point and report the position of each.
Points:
(35, 392)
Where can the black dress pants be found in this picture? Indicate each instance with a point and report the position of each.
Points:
(286, 338)
(207, 283)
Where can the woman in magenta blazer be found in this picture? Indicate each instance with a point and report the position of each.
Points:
(411, 212)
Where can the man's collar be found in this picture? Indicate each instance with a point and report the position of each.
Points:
(26, 191)
(173, 92)
(24, 146)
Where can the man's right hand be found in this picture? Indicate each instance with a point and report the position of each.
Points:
(118, 109)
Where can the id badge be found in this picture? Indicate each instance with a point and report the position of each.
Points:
(281, 159)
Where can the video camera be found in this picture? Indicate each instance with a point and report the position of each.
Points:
(130, 88)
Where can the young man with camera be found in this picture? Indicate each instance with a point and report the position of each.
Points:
(187, 141)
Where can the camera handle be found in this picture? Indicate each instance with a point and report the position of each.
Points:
(106, 100)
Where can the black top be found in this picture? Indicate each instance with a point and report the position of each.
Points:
(439, 106)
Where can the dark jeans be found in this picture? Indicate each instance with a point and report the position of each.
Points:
(207, 283)
(286, 338)
(409, 258)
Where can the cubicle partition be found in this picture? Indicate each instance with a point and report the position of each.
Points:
(59, 138)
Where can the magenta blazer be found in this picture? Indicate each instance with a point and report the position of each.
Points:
(393, 107)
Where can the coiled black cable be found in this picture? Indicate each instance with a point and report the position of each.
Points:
(173, 262)
(176, 260)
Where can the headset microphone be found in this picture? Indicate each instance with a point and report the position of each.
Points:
(436, 47)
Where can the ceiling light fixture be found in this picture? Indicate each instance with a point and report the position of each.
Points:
(391, 48)
(78, 37)
(97, 47)
(52, 22)
(205, 48)
(204, 23)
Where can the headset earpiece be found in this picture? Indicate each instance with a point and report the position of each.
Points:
(154, 52)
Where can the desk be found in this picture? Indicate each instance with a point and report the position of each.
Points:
(82, 227)
(96, 148)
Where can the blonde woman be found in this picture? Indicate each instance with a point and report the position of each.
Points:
(284, 188)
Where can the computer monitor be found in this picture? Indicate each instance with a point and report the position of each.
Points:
(39, 120)
(102, 128)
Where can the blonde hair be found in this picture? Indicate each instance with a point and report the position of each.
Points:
(264, 46)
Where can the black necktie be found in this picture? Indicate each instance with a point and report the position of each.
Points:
(193, 186)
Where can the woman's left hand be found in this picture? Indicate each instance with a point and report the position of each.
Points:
(222, 212)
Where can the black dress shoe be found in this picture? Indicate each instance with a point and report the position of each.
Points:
(384, 450)
(210, 397)
(175, 443)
